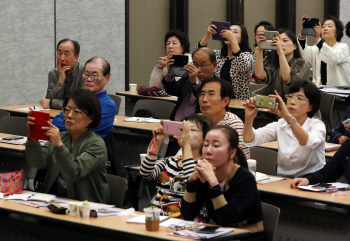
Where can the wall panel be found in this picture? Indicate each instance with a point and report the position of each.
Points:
(344, 16)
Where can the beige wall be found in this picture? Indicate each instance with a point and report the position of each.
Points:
(256, 11)
(149, 22)
(199, 19)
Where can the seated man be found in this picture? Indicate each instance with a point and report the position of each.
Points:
(341, 132)
(214, 98)
(204, 64)
(66, 78)
(96, 77)
(330, 172)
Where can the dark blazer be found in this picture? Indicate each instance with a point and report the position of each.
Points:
(340, 130)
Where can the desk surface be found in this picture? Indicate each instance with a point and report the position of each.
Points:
(114, 223)
(10, 146)
(274, 145)
(282, 188)
(120, 123)
(13, 109)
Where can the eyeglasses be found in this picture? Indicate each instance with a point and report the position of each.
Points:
(202, 66)
(208, 95)
(75, 112)
(177, 227)
(296, 98)
(93, 77)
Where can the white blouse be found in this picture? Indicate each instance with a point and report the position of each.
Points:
(294, 159)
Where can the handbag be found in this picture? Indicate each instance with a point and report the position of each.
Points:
(11, 182)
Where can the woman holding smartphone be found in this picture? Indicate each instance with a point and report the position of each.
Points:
(176, 43)
(286, 65)
(235, 62)
(301, 138)
(329, 58)
(76, 161)
(227, 189)
(172, 172)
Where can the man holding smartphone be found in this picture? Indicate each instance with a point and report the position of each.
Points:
(204, 64)
(66, 78)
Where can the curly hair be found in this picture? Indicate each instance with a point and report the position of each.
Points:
(347, 29)
(338, 25)
(185, 43)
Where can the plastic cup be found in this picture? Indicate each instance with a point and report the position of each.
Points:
(133, 87)
(252, 166)
(84, 211)
(152, 218)
(142, 156)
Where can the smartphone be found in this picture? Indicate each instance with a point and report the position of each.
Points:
(180, 60)
(308, 26)
(35, 131)
(267, 102)
(220, 25)
(173, 128)
(208, 229)
(13, 138)
(269, 35)
(346, 122)
(321, 186)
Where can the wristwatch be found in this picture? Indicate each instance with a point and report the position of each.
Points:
(196, 83)
(293, 121)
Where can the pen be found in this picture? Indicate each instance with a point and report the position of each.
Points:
(34, 107)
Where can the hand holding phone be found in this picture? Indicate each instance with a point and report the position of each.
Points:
(35, 125)
(172, 128)
(220, 25)
(267, 102)
(308, 26)
(269, 35)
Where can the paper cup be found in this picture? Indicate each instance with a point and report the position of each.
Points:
(84, 211)
(133, 87)
(142, 156)
(152, 218)
(74, 209)
(252, 166)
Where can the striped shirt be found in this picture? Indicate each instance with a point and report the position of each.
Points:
(236, 123)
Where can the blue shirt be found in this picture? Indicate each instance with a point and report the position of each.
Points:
(108, 111)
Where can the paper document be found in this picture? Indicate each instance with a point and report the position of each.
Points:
(193, 234)
(332, 147)
(142, 119)
(36, 108)
(271, 179)
(19, 141)
(176, 221)
(261, 176)
(320, 188)
(28, 196)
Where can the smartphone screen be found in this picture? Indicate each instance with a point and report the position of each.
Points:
(208, 229)
(180, 60)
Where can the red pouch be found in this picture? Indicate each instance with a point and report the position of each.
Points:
(11, 182)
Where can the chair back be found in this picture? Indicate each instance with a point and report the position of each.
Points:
(266, 160)
(117, 100)
(326, 107)
(271, 215)
(161, 108)
(4, 113)
(14, 125)
(116, 186)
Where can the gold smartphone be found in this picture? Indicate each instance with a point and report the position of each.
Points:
(267, 102)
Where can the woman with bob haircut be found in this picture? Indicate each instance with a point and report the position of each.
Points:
(169, 169)
(75, 160)
(329, 58)
(176, 43)
(285, 67)
(234, 60)
(301, 138)
(227, 189)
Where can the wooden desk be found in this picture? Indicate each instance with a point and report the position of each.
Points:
(273, 145)
(64, 227)
(13, 110)
(307, 215)
(139, 126)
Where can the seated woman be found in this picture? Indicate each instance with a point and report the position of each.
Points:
(301, 138)
(76, 160)
(341, 132)
(263, 26)
(235, 62)
(176, 43)
(286, 65)
(172, 172)
(227, 189)
(329, 58)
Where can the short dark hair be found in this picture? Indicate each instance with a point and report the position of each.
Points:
(211, 54)
(233, 140)
(243, 45)
(106, 68)
(296, 54)
(185, 43)
(87, 102)
(267, 26)
(75, 44)
(347, 29)
(226, 89)
(312, 93)
(202, 121)
(338, 25)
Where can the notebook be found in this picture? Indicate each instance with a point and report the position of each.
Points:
(32, 197)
